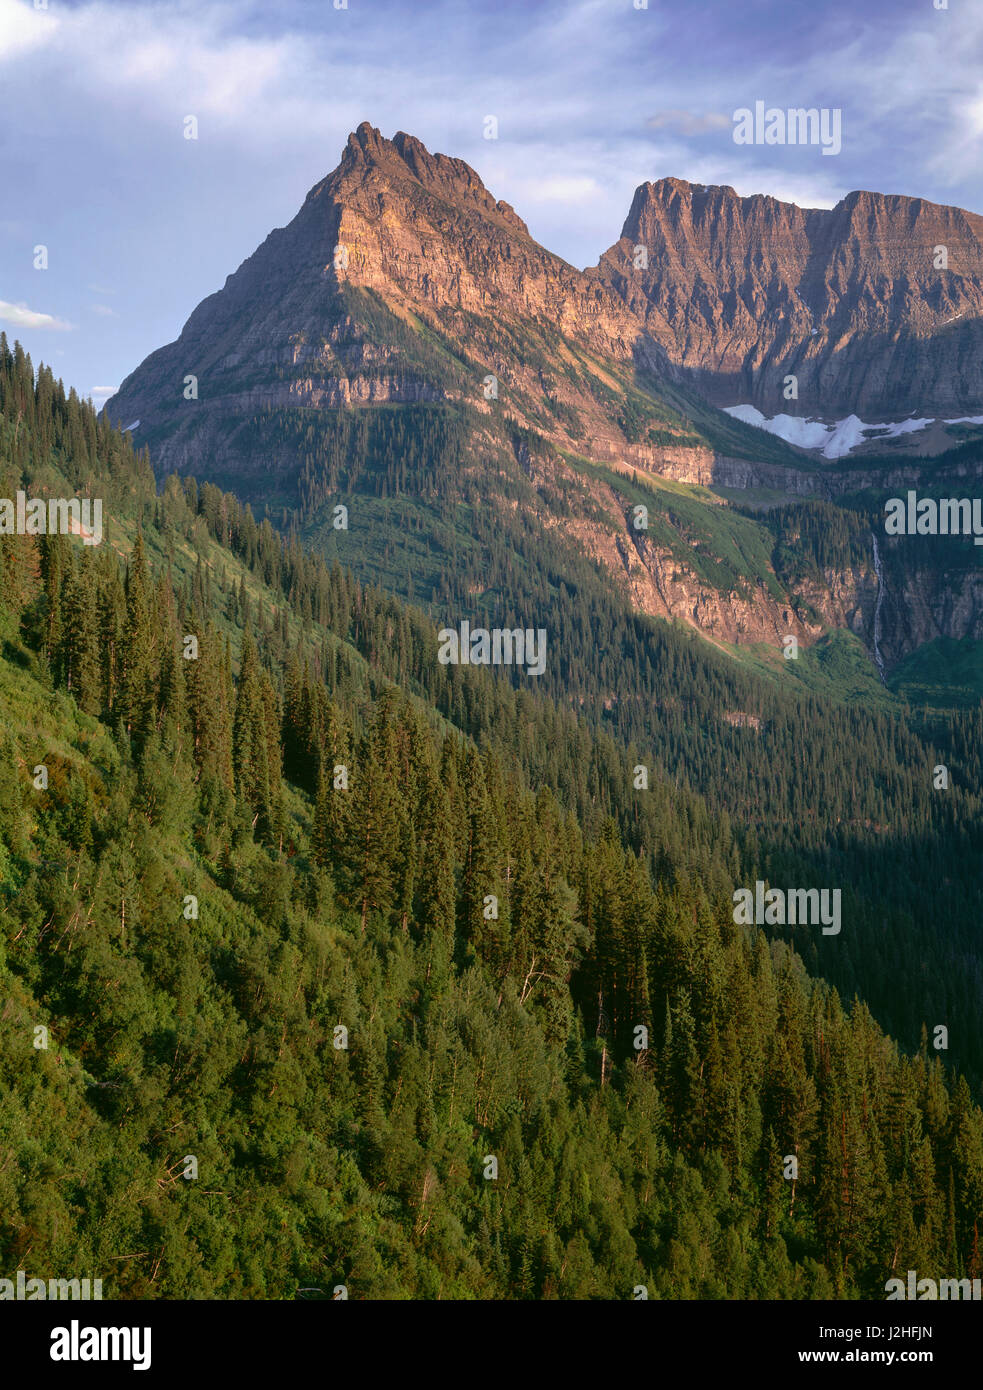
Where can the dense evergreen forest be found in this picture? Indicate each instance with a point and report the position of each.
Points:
(835, 788)
(344, 925)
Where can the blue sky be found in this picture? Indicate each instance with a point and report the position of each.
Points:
(592, 97)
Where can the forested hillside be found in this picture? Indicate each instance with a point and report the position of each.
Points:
(301, 823)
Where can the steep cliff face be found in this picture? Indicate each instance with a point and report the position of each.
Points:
(874, 305)
(400, 280)
(707, 469)
(658, 569)
(923, 602)
(730, 295)
(425, 226)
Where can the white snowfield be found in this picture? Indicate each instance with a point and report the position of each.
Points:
(834, 441)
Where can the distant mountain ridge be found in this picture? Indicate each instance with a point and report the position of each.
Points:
(854, 301)
(404, 345)
(734, 292)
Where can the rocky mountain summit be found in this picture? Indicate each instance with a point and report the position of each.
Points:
(875, 305)
(400, 280)
(405, 337)
(704, 289)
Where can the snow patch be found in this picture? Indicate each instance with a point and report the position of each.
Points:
(837, 440)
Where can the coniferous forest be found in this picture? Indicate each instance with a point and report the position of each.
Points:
(440, 1002)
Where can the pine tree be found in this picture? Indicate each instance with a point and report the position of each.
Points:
(137, 698)
(78, 658)
(250, 751)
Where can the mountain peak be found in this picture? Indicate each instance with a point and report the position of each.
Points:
(404, 156)
(366, 139)
(745, 290)
(737, 292)
(666, 187)
(677, 197)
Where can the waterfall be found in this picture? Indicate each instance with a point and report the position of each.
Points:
(879, 571)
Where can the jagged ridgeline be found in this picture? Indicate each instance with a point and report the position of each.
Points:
(212, 949)
(494, 418)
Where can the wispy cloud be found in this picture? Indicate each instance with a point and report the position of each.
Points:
(22, 317)
(168, 60)
(23, 28)
(689, 122)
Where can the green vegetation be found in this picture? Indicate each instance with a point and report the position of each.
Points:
(943, 673)
(723, 548)
(836, 668)
(194, 905)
